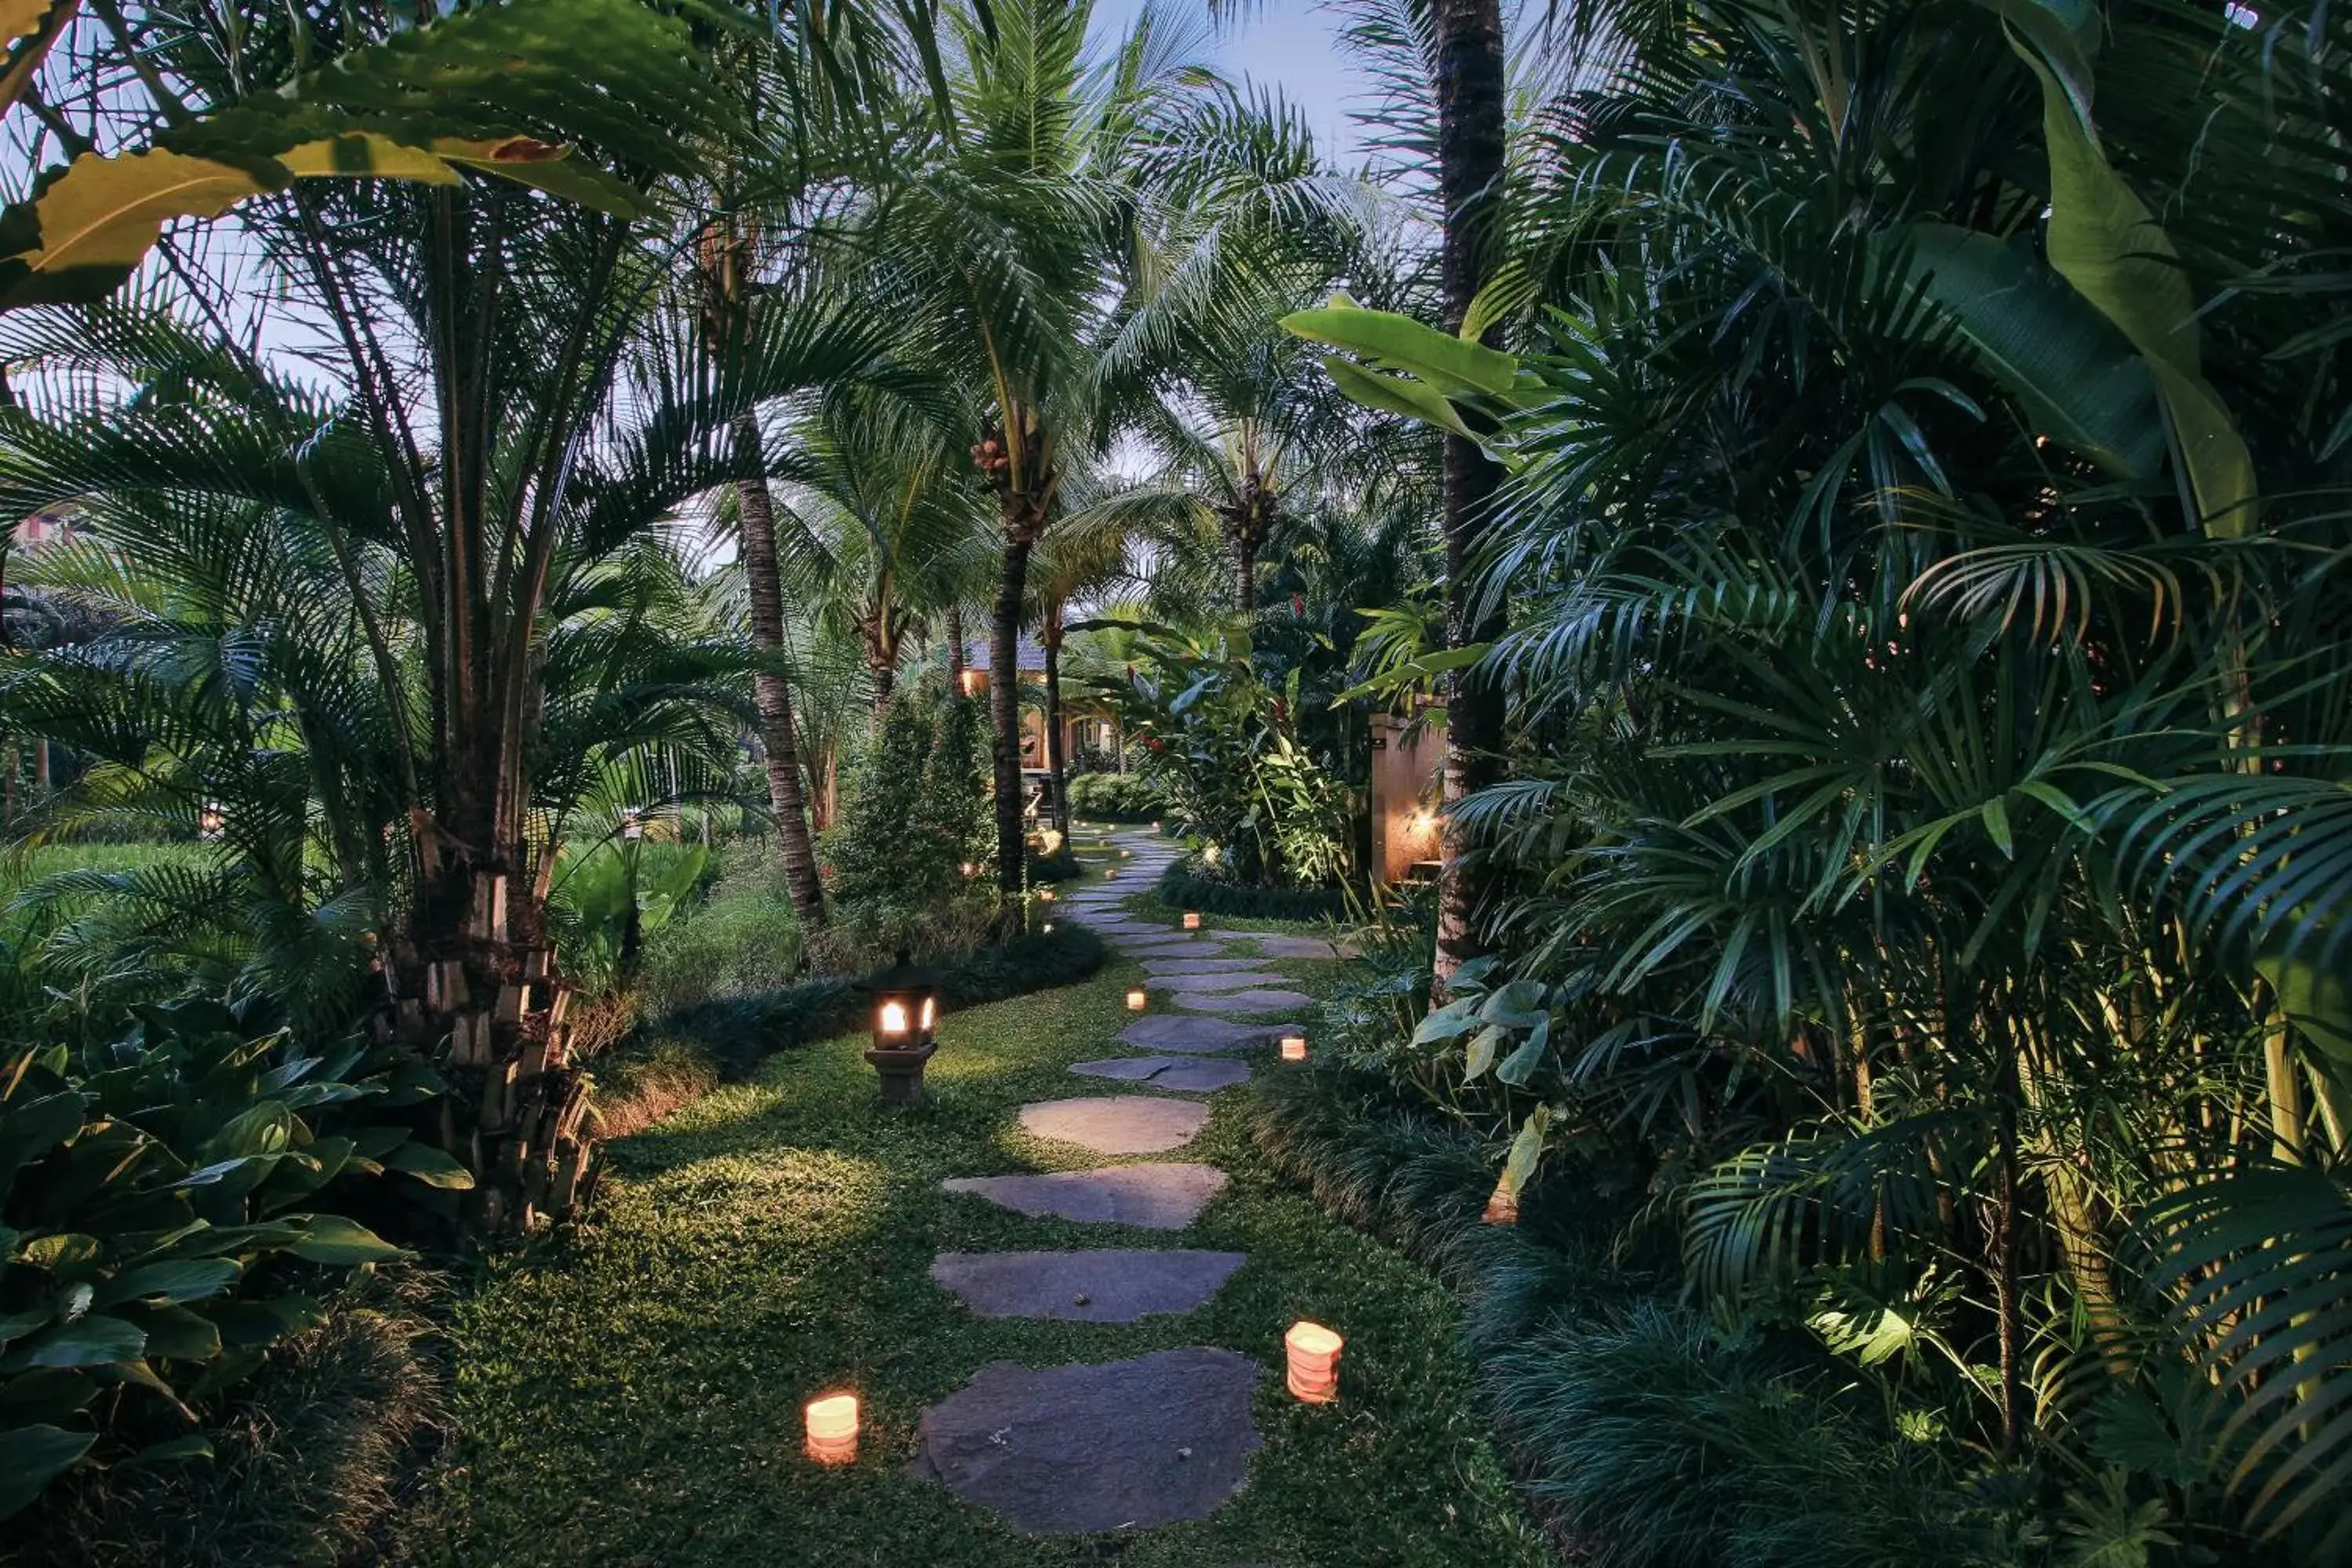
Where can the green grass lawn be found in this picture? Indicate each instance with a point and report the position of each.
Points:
(632, 1394)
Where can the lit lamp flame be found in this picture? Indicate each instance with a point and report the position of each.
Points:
(1313, 1353)
(1137, 1000)
(1294, 1047)
(833, 1429)
(1045, 895)
(894, 1017)
(1191, 920)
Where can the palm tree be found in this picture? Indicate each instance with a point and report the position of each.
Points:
(1002, 236)
(883, 522)
(1089, 556)
(565, 415)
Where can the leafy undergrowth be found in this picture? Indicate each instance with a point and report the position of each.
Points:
(1652, 1437)
(634, 1396)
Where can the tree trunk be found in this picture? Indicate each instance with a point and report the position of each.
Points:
(1245, 574)
(886, 680)
(955, 648)
(1057, 767)
(1004, 701)
(772, 696)
(1470, 137)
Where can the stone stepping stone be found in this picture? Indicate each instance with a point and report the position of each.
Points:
(1171, 967)
(1215, 980)
(1118, 1123)
(1099, 1286)
(1252, 1001)
(1121, 1445)
(1280, 945)
(1155, 1197)
(1190, 1075)
(1195, 1036)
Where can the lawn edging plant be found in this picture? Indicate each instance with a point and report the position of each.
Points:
(1180, 889)
(694, 1049)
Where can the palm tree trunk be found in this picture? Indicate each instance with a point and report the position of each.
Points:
(1004, 699)
(770, 693)
(1056, 763)
(1245, 574)
(886, 680)
(1470, 138)
(955, 648)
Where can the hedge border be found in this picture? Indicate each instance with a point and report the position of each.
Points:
(1182, 891)
(736, 1033)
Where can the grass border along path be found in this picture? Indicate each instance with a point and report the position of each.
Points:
(631, 1395)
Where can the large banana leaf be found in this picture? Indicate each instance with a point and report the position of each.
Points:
(2073, 367)
(2107, 243)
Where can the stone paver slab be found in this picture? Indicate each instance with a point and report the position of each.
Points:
(1188, 1074)
(1122, 1445)
(1254, 1001)
(1098, 1286)
(1191, 1034)
(1118, 1123)
(1156, 1197)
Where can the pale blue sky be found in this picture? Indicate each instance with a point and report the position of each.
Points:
(1287, 44)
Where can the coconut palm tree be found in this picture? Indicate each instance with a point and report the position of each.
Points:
(1008, 229)
(882, 526)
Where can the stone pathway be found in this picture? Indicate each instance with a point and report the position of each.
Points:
(1117, 1124)
(1194, 1075)
(1120, 1445)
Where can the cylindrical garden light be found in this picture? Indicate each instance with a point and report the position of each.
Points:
(906, 1023)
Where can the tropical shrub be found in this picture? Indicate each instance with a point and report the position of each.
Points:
(740, 938)
(1180, 889)
(607, 899)
(1114, 797)
(914, 818)
(1924, 854)
(160, 1194)
(1219, 741)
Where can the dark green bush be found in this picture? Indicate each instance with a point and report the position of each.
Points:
(1654, 1437)
(734, 1033)
(1116, 797)
(915, 814)
(1061, 866)
(1186, 892)
(161, 1195)
(311, 1454)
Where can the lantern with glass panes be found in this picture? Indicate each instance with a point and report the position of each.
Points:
(906, 1023)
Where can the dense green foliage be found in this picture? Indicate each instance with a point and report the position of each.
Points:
(914, 823)
(1220, 738)
(1180, 889)
(1116, 797)
(1928, 741)
(158, 1195)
